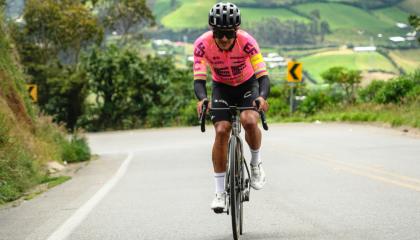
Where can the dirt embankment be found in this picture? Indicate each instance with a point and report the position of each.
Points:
(15, 102)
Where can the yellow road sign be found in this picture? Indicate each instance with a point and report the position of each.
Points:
(33, 91)
(294, 72)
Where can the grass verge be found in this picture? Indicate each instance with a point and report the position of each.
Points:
(392, 114)
(55, 181)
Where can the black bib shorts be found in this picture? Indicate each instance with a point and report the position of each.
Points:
(224, 96)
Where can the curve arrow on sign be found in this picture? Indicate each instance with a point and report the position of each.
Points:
(293, 69)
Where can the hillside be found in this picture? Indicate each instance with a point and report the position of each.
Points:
(27, 142)
(339, 14)
(351, 23)
(412, 6)
(317, 63)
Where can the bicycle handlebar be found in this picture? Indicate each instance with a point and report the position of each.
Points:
(202, 118)
(262, 115)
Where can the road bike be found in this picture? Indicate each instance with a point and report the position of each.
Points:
(238, 177)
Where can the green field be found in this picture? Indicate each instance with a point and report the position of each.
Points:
(411, 6)
(409, 60)
(392, 15)
(348, 24)
(304, 53)
(191, 14)
(161, 8)
(257, 14)
(318, 63)
(340, 16)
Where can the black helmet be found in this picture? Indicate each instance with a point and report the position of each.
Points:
(224, 15)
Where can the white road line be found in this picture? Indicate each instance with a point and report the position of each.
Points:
(67, 227)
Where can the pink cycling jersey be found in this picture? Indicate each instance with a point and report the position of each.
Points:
(229, 67)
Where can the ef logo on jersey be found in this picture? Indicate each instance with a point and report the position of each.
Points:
(250, 49)
(199, 50)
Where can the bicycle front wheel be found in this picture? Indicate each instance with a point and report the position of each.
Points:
(235, 189)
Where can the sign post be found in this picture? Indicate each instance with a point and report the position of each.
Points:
(294, 75)
(33, 92)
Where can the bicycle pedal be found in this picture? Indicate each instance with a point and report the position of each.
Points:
(219, 210)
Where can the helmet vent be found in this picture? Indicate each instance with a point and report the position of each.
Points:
(224, 15)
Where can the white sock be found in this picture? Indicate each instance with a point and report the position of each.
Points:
(219, 179)
(255, 157)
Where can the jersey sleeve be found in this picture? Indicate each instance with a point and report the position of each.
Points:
(199, 66)
(257, 60)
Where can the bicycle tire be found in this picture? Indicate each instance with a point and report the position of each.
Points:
(235, 192)
(241, 163)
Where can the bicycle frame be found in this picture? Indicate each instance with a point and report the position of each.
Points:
(237, 185)
(235, 133)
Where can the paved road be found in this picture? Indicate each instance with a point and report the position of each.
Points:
(325, 181)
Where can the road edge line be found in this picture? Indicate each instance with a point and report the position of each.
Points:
(81, 213)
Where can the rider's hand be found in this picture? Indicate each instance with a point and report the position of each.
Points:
(200, 106)
(263, 104)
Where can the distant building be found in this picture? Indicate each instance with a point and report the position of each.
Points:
(160, 42)
(401, 25)
(275, 60)
(397, 39)
(365, 49)
(411, 36)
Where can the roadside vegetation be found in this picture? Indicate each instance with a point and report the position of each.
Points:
(28, 139)
(395, 102)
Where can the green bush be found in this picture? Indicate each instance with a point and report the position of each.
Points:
(413, 94)
(75, 150)
(189, 114)
(394, 90)
(368, 93)
(278, 107)
(345, 79)
(314, 101)
(405, 87)
(279, 100)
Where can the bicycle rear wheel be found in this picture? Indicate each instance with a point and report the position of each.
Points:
(235, 187)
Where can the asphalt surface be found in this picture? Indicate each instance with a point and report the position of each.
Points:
(325, 181)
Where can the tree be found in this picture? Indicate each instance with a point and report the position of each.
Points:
(272, 31)
(63, 26)
(346, 79)
(173, 4)
(316, 14)
(414, 21)
(134, 92)
(50, 42)
(126, 15)
(325, 29)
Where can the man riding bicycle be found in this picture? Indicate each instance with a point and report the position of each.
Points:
(239, 78)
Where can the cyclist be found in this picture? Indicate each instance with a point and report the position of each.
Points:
(239, 78)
